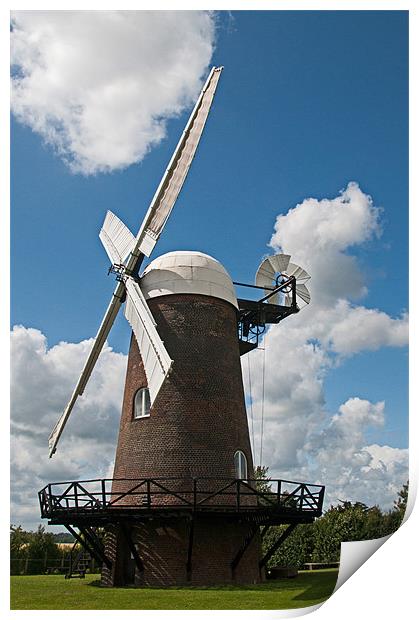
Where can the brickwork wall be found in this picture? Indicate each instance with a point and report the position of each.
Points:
(199, 418)
(116, 551)
(196, 424)
(162, 545)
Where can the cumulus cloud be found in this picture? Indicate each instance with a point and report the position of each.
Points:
(352, 470)
(42, 379)
(361, 329)
(318, 234)
(301, 439)
(347, 329)
(99, 86)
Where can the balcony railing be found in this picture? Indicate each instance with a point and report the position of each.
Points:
(110, 496)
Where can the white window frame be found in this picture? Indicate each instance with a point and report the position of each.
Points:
(141, 410)
(240, 464)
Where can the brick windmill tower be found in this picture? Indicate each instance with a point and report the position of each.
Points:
(183, 505)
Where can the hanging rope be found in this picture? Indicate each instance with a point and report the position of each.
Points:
(263, 400)
(251, 404)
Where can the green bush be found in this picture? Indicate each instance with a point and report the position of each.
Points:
(321, 541)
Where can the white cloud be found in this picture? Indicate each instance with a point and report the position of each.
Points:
(302, 440)
(352, 470)
(318, 233)
(355, 413)
(331, 225)
(42, 381)
(361, 329)
(99, 86)
(346, 329)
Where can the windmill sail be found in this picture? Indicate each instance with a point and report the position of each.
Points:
(116, 238)
(174, 177)
(156, 360)
(100, 339)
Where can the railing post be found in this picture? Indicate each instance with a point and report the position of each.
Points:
(278, 491)
(103, 493)
(194, 493)
(301, 497)
(320, 500)
(148, 494)
(76, 499)
(49, 499)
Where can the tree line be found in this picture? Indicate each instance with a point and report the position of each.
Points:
(36, 552)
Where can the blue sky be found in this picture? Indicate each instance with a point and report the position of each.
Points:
(307, 102)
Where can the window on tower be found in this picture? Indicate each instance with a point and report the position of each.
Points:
(240, 464)
(142, 403)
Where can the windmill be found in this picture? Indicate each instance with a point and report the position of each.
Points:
(183, 505)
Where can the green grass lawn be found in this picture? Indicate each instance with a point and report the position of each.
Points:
(55, 592)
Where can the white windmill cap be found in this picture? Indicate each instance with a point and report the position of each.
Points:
(188, 272)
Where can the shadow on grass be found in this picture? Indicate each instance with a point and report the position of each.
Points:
(315, 584)
(321, 588)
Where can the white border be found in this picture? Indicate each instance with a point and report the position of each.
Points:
(385, 586)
